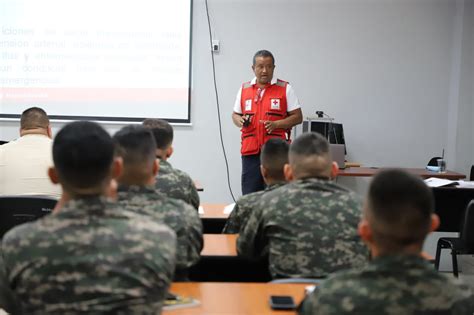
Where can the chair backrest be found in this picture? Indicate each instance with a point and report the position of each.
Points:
(15, 210)
(467, 232)
(471, 177)
(434, 161)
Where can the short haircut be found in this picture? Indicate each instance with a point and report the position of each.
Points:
(309, 155)
(33, 118)
(263, 53)
(274, 156)
(136, 145)
(399, 207)
(162, 131)
(83, 153)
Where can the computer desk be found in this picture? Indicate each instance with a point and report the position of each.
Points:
(450, 203)
(234, 298)
(423, 173)
(450, 206)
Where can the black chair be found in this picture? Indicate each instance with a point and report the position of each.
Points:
(471, 177)
(15, 210)
(464, 245)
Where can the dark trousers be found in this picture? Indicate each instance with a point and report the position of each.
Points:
(252, 179)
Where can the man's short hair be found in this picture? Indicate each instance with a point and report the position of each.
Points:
(309, 155)
(162, 131)
(399, 207)
(274, 156)
(263, 53)
(83, 153)
(136, 145)
(33, 118)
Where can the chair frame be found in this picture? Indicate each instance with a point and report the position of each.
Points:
(458, 245)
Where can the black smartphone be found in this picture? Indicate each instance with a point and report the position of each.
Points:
(282, 302)
(247, 121)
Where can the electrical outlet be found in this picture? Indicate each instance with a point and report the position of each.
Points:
(216, 47)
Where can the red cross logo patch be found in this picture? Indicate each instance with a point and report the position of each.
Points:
(275, 103)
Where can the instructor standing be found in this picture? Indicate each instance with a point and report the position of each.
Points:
(265, 108)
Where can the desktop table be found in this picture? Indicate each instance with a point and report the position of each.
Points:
(423, 173)
(234, 298)
(220, 245)
(220, 263)
(450, 203)
(450, 206)
(213, 219)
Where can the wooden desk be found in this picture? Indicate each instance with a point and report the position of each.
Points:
(234, 298)
(213, 219)
(450, 206)
(423, 173)
(213, 211)
(220, 263)
(219, 245)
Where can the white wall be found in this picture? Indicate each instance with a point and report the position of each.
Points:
(465, 129)
(385, 68)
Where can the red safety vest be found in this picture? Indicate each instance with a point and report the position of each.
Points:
(271, 106)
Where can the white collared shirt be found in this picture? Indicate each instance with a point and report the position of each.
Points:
(24, 165)
(291, 98)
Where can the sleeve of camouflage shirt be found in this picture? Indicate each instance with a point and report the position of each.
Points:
(7, 299)
(193, 195)
(306, 306)
(325, 300)
(252, 242)
(190, 242)
(232, 226)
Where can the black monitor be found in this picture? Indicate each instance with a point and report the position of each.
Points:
(333, 132)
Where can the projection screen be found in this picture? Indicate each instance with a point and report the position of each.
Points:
(100, 60)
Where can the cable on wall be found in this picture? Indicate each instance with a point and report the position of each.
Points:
(217, 103)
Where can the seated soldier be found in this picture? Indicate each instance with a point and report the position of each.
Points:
(171, 181)
(273, 157)
(24, 162)
(136, 192)
(89, 256)
(307, 228)
(398, 214)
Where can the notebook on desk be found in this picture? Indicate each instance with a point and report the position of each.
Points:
(338, 154)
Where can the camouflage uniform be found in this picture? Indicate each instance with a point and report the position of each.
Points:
(243, 208)
(391, 285)
(176, 184)
(178, 215)
(91, 257)
(307, 228)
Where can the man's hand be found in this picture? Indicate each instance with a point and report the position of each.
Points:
(295, 117)
(238, 120)
(271, 125)
(241, 121)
